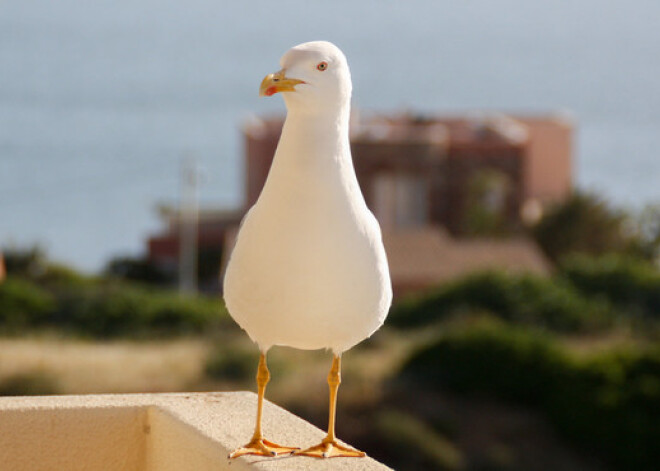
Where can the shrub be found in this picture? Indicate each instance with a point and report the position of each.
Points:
(525, 299)
(234, 365)
(239, 363)
(39, 294)
(489, 357)
(31, 383)
(584, 223)
(26, 262)
(117, 309)
(138, 269)
(612, 403)
(23, 304)
(624, 281)
(423, 446)
(55, 276)
(609, 403)
(102, 308)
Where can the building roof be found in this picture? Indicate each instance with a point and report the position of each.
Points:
(420, 258)
(406, 127)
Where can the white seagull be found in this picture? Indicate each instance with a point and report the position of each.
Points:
(309, 268)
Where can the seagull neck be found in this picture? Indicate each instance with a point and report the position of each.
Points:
(313, 150)
(313, 129)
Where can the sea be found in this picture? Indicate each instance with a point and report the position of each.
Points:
(102, 101)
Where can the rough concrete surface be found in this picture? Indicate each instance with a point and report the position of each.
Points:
(152, 432)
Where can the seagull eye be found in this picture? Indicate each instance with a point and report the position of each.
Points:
(322, 66)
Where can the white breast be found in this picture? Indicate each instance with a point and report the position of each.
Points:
(309, 269)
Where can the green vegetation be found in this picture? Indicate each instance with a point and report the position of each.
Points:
(43, 296)
(608, 402)
(116, 309)
(586, 224)
(30, 383)
(23, 304)
(137, 269)
(143, 270)
(631, 285)
(583, 224)
(478, 355)
(236, 365)
(525, 299)
(425, 447)
(513, 338)
(488, 191)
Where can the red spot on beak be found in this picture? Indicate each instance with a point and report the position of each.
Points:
(271, 91)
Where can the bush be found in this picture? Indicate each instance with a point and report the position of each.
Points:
(626, 282)
(423, 446)
(584, 223)
(609, 403)
(102, 308)
(138, 269)
(525, 299)
(117, 309)
(31, 383)
(40, 294)
(55, 276)
(234, 365)
(26, 262)
(239, 364)
(23, 304)
(489, 357)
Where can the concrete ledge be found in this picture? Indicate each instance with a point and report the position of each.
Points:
(151, 432)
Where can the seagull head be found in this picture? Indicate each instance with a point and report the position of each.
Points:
(314, 77)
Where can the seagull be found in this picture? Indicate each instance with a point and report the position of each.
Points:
(309, 268)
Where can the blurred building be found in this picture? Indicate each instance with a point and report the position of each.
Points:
(213, 225)
(462, 173)
(451, 193)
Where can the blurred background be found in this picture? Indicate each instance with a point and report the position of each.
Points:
(507, 148)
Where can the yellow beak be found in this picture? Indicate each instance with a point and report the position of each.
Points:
(277, 82)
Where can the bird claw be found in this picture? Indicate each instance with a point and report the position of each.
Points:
(262, 447)
(330, 449)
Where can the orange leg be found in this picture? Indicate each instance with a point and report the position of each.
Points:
(329, 447)
(258, 445)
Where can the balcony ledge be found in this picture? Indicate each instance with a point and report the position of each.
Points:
(152, 432)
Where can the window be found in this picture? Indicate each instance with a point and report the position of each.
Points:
(401, 200)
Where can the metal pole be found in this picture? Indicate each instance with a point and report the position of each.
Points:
(188, 227)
